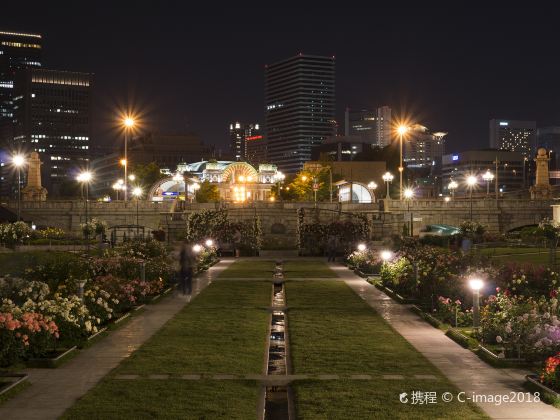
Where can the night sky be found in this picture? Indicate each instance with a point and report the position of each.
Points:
(447, 68)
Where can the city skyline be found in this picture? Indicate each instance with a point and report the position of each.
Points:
(453, 72)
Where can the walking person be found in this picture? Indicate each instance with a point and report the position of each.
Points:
(187, 262)
(332, 246)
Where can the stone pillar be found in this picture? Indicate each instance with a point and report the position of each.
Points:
(542, 189)
(34, 191)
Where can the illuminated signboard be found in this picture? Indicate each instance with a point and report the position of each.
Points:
(455, 157)
(254, 138)
(170, 193)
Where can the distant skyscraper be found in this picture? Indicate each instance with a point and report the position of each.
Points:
(373, 127)
(17, 51)
(549, 138)
(423, 148)
(52, 116)
(239, 133)
(299, 108)
(515, 136)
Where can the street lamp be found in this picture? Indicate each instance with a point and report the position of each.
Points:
(409, 195)
(386, 255)
(128, 124)
(471, 182)
(132, 177)
(84, 178)
(197, 248)
(488, 177)
(279, 180)
(401, 130)
(362, 247)
(117, 186)
(209, 243)
(19, 161)
(372, 187)
(452, 187)
(388, 178)
(137, 193)
(476, 284)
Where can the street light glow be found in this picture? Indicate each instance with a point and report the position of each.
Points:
(372, 185)
(137, 192)
(128, 122)
(388, 177)
(209, 242)
(85, 176)
(476, 284)
(408, 193)
(132, 177)
(447, 199)
(471, 180)
(361, 247)
(123, 162)
(402, 129)
(453, 185)
(488, 176)
(18, 160)
(197, 248)
(304, 178)
(386, 255)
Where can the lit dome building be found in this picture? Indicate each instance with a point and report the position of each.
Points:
(236, 181)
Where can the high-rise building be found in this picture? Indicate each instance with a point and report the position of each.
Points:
(52, 115)
(422, 148)
(256, 149)
(239, 133)
(549, 138)
(299, 108)
(515, 136)
(17, 51)
(373, 127)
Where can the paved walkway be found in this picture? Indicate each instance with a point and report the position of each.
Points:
(55, 390)
(461, 366)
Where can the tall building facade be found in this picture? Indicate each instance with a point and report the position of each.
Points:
(52, 115)
(372, 126)
(299, 108)
(17, 51)
(239, 133)
(422, 148)
(514, 136)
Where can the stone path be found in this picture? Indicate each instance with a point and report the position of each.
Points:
(461, 366)
(55, 390)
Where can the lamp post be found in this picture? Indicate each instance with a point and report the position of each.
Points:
(315, 189)
(386, 255)
(409, 195)
(117, 186)
(279, 180)
(128, 124)
(476, 284)
(488, 177)
(372, 186)
(471, 182)
(84, 178)
(452, 187)
(401, 130)
(137, 193)
(388, 178)
(195, 188)
(18, 161)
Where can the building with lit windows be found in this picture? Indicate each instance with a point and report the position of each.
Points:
(52, 115)
(299, 108)
(422, 148)
(373, 127)
(239, 134)
(515, 136)
(256, 149)
(17, 51)
(339, 148)
(549, 138)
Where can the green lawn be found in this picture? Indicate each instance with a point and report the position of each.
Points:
(223, 330)
(265, 269)
(519, 255)
(15, 263)
(169, 399)
(332, 331)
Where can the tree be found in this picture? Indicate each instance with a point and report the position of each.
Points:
(207, 193)
(300, 186)
(147, 174)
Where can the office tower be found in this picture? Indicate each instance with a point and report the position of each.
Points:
(238, 133)
(422, 148)
(17, 51)
(52, 116)
(515, 136)
(256, 149)
(371, 126)
(299, 108)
